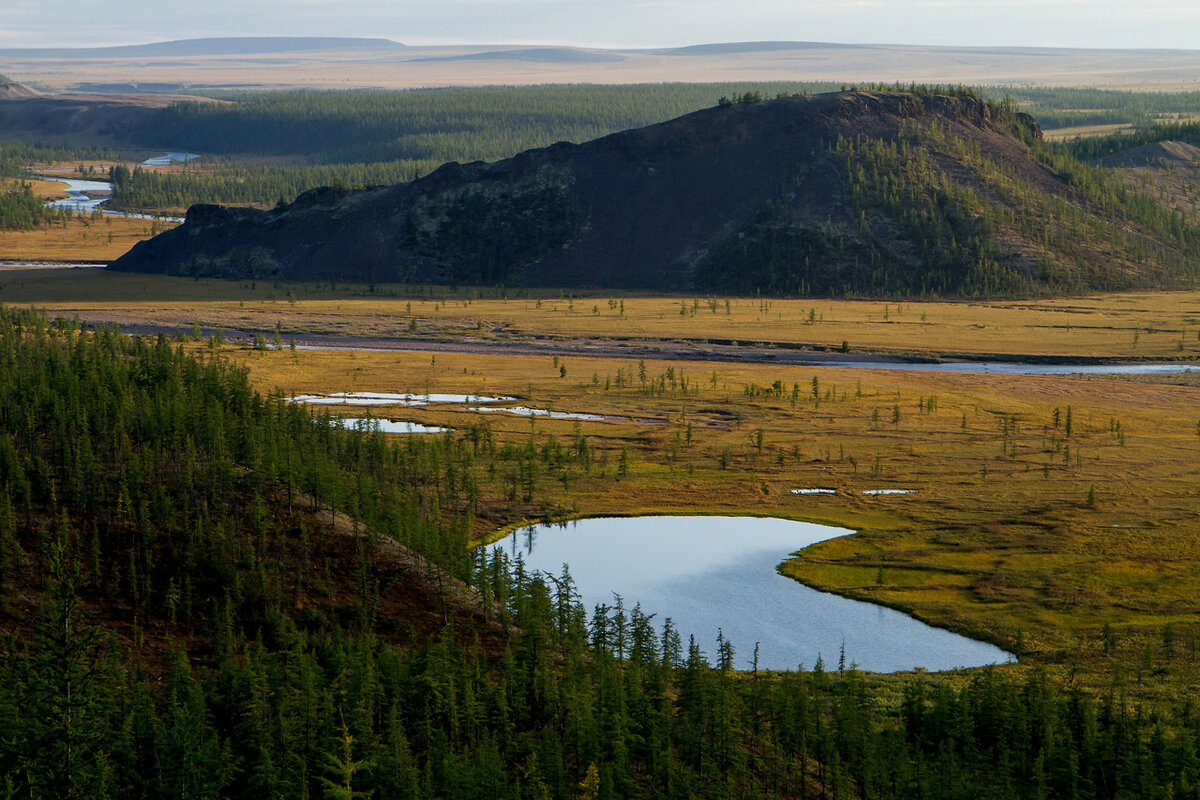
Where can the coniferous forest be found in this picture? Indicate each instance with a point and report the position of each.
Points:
(224, 597)
(370, 138)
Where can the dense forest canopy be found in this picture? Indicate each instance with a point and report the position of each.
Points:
(16, 157)
(207, 628)
(372, 137)
(151, 496)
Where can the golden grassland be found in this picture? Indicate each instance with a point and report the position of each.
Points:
(82, 237)
(1083, 131)
(1152, 325)
(1018, 533)
(44, 189)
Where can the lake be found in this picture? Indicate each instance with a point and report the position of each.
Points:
(710, 573)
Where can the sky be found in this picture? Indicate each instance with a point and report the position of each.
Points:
(1173, 24)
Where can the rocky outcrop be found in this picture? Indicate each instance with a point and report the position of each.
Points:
(780, 196)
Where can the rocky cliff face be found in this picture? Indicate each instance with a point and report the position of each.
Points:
(852, 192)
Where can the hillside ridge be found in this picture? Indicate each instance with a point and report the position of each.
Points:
(855, 192)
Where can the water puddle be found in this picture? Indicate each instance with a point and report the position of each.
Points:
(878, 492)
(472, 402)
(720, 573)
(526, 411)
(386, 425)
(390, 399)
(814, 491)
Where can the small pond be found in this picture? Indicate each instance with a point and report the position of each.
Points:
(392, 399)
(472, 402)
(386, 425)
(710, 573)
(526, 411)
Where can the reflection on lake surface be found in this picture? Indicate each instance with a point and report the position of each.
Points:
(391, 399)
(469, 400)
(526, 411)
(386, 425)
(710, 573)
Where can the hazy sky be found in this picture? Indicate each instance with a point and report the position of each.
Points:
(1068, 23)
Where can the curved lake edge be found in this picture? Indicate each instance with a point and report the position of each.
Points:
(515, 527)
(908, 612)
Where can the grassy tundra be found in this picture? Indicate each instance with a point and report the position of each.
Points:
(1055, 516)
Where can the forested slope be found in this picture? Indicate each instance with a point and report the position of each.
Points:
(206, 595)
(850, 193)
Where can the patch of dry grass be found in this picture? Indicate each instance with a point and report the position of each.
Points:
(81, 238)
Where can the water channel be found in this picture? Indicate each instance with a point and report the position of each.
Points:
(87, 196)
(978, 367)
(719, 573)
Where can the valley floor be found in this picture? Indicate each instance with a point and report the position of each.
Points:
(1058, 517)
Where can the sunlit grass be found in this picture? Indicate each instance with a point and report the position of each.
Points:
(1008, 538)
(1162, 325)
(81, 238)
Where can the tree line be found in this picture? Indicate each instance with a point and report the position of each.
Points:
(931, 212)
(370, 138)
(204, 631)
(16, 157)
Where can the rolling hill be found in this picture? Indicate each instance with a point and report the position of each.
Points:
(857, 192)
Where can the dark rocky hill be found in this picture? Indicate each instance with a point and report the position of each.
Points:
(851, 192)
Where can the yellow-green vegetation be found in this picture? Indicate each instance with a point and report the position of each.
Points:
(42, 189)
(79, 237)
(1054, 516)
(1154, 326)
(1057, 516)
(1077, 131)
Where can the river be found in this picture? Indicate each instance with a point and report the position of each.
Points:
(87, 196)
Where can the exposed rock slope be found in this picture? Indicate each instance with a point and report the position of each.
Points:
(852, 192)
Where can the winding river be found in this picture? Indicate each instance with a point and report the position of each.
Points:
(87, 196)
